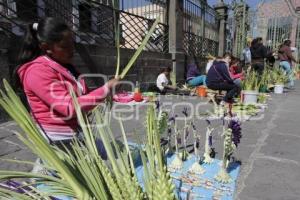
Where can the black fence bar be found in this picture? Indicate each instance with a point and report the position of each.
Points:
(93, 23)
(200, 27)
(150, 9)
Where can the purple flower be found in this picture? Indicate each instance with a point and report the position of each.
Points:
(193, 126)
(210, 141)
(15, 186)
(197, 142)
(178, 140)
(208, 122)
(186, 133)
(223, 120)
(169, 131)
(157, 103)
(172, 119)
(101, 149)
(185, 111)
(235, 126)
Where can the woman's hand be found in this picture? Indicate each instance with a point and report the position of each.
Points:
(112, 83)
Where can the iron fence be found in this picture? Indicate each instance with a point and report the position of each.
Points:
(93, 22)
(134, 29)
(278, 30)
(198, 46)
(149, 9)
(200, 27)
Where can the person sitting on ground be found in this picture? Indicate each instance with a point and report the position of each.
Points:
(235, 72)
(218, 78)
(194, 77)
(163, 82)
(210, 61)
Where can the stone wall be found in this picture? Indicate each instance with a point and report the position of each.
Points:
(102, 60)
(144, 70)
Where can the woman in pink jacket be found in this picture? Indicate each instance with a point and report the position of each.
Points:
(46, 73)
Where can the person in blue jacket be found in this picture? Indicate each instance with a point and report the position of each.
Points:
(218, 78)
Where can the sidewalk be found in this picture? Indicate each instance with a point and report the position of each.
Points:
(269, 150)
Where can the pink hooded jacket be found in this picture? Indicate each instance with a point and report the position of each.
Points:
(46, 85)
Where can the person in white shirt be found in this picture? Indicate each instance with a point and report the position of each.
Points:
(163, 82)
(209, 64)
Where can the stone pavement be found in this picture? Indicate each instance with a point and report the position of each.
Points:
(269, 150)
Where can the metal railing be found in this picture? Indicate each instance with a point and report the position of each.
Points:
(278, 30)
(198, 46)
(200, 28)
(135, 28)
(149, 9)
(92, 22)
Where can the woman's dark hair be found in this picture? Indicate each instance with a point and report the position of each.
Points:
(254, 42)
(227, 54)
(234, 60)
(287, 42)
(49, 30)
(166, 69)
(259, 39)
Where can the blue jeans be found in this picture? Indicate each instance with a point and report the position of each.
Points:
(238, 82)
(199, 80)
(287, 67)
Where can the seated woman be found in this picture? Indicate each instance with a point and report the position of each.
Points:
(235, 73)
(210, 61)
(218, 78)
(163, 82)
(194, 77)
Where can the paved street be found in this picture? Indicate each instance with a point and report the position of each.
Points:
(269, 150)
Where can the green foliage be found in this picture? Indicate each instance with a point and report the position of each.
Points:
(162, 122)
(297, 67)
(266, 77)
(279, 76)
(80, 171)
(157, 180)
(262, 98)
(229, 148)
(251, 81)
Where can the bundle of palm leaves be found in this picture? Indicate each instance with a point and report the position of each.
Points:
(251, 81)
(79, 172)
(279, 76)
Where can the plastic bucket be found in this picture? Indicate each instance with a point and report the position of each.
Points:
(249, 96)
(278, 89)
(201, 91)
